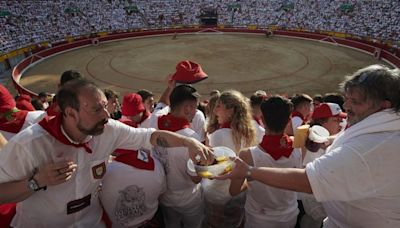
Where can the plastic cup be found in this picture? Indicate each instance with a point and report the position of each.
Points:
(317, 136)
(300, 136)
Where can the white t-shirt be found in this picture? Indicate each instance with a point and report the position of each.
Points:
(198, 123)
(359, 182)
(31, 118)
(34, 147)
(269, 203)
(181, 190)
(260, 131)
(130, 195)
(296, 122)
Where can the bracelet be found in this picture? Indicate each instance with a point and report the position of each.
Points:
(249, 172)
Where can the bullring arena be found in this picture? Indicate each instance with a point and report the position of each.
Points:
(241, 59)
(309, 158)
(245, 62)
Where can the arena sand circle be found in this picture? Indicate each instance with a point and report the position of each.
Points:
(245, 62)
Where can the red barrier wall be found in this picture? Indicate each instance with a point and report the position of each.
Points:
(63, 46)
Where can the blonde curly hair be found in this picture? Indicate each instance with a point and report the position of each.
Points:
(243, 130)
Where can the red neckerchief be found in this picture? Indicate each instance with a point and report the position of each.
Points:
(277, 145)
(7, 213)
(225, 125)
(130, 157)
(145, 115)
(296, 113)
(53, 126)
(15, 124)
(258, 120)
(128, 121)
(172, 123)
(52, 110)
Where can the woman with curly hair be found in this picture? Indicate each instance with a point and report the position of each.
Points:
(236, 131)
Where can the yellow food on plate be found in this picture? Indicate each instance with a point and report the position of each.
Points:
(220, 159)
(205, 174)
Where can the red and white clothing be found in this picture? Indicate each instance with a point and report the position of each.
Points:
(182, 202)
(358, 179)
(198, 123)
(268, 206)
(222, 210)
(130, 195)
(132, 200)
(22, 119)
(297, 120)
(73, 203)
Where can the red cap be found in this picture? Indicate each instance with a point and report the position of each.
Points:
(325, 110)
(132, 105)
(188, 72)
(7, 101)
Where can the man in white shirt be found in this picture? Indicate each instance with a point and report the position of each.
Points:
(182, 203)
(357, 179)
(187, 72)
(62, 160)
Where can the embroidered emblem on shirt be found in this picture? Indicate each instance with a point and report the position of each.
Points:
(99, 170)
(130, 205)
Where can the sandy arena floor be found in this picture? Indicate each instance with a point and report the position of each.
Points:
(243, 62)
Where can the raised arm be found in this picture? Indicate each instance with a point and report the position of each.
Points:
(197, 150)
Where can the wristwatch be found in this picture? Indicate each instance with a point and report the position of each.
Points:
(248, 173)
(33, 184)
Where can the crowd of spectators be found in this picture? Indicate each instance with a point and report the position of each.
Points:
(30, 22)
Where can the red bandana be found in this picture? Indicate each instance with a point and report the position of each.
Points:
(258, 120)
(225, 125)
(128, 121)
(53, 109)
(172, 123)
(130, 157)
(53, 127)
(277, 145)
(15, 124)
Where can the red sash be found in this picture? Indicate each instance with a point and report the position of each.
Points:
(130, 157)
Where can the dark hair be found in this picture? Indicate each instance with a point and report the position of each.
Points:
(181, 94)
(144, 93)
(299, 99)
(37, 104)
(376, 83)
(256, 99)
(44, 94)
(68, 95)
(276, 111)
(109, 93)
(69, 75)
(318, 97)
(336, 98)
